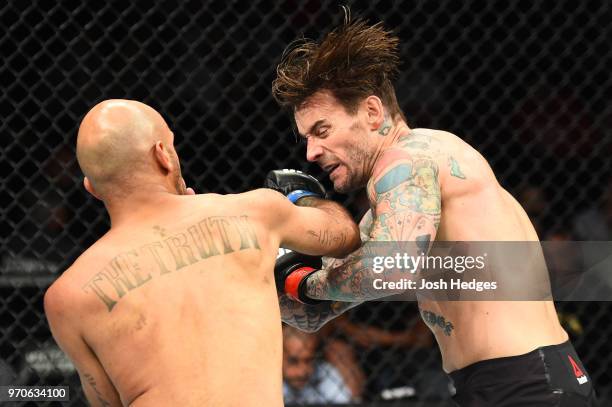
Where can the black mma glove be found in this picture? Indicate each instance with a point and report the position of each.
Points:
(291, 272)
(294, 184)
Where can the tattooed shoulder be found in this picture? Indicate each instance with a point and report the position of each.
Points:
(394, 177)
(455, 169)
(420, 143)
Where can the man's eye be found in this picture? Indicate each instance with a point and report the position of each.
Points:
(322, 132)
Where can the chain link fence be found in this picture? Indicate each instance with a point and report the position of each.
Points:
(527, 83)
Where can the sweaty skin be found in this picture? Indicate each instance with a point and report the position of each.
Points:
(176, 304)
(474, 207)
(423, 185)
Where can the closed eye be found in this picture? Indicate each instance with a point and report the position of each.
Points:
(323, 132)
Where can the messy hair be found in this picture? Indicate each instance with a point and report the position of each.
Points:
(353, 61)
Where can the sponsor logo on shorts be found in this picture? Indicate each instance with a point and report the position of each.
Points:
(580, 376)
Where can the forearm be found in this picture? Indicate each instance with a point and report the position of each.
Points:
(350, 282)
(310, 318)
(353, 280)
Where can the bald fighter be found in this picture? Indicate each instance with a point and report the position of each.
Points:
(176, 304)
(423, 185)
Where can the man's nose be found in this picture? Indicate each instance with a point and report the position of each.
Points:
(313, 149)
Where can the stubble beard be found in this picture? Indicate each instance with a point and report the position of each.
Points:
(355, 171)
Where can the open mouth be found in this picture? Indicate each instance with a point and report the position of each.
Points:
(330, 168)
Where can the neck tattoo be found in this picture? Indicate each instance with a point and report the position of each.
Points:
(385, 127)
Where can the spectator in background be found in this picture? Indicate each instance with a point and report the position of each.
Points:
(368, 336)
(309, 379)
(395, 350)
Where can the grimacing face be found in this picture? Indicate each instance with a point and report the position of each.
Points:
(336, 140)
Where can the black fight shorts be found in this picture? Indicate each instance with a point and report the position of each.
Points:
(546, 377)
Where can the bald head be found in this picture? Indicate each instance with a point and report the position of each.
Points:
(117, 145)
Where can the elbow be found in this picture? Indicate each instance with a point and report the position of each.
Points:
(351, 243)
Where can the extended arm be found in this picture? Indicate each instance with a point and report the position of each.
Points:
(314, 226)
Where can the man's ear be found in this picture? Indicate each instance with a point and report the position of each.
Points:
(162, 156)
(90, 188)
(375, 112)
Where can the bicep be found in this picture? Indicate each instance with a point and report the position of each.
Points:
(408, 202)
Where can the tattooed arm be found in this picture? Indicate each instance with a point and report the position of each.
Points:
(311, 318)
(63, 321)
(406, 192)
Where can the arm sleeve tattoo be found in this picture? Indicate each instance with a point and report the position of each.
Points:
(310, 318)
(407, 209)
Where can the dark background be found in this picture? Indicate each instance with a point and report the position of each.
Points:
(526, 83)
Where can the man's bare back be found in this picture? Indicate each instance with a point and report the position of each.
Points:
(180, 307)
(176, 304)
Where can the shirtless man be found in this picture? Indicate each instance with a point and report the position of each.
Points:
(423, 185)
(176, 304)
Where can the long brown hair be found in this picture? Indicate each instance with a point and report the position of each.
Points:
(353, 61)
